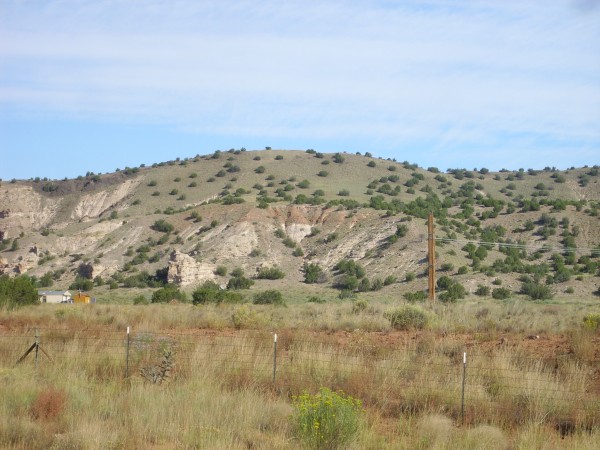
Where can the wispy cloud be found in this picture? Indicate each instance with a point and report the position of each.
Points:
(450, 75)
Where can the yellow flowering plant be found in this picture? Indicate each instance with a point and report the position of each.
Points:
(327, 419)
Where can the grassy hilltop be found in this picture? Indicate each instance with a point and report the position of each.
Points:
(291, 208)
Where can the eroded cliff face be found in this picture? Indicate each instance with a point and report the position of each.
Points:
(23, 209)
(92, 205)
(59, 232)
(31, 216)
(185, 270)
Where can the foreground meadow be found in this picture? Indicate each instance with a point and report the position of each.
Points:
(213, 377)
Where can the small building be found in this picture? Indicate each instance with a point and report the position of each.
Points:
(81, 298)
(54, 296)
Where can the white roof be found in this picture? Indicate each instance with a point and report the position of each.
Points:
(41, 292)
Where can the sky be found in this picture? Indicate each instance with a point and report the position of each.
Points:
(96, 85)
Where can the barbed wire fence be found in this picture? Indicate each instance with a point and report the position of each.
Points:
(466, 384)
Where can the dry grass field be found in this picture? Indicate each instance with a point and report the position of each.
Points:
(203, 376)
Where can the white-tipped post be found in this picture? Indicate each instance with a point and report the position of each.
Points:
(127, 355)
(464, 378)
(274, 356)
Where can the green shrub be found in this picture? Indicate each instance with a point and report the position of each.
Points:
(401, 230)
(350, 267)
(210, 292)
(390, 279)
(347, 282)
(592, 321)
(454, 291)
(17, 291)
(221, 271)
(81, 284)
(239, 282)
(315, 299)
(407, 318)
(269, 297)
(364, 285)
(376, 284)
(447, 267)
(270, 273)
(140, 300)
(244, 317)
(482, 290)
(347, 294)
(313, 273)
(289, 242)
(501, 293)
(326, 420)
(410, 276)
(168, 293)
(162, 226)
(416, 296)
(536, 291)
(338, 158)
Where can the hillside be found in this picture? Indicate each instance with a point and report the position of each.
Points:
(189, 219)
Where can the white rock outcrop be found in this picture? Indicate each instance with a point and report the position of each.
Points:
(185, 270)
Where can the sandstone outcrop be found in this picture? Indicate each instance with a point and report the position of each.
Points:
(185, 270)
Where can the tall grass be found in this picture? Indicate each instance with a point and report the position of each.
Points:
(220, 392)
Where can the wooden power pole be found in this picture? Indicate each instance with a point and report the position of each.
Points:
(431, 256)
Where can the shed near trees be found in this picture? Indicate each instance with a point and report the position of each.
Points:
(55, 296)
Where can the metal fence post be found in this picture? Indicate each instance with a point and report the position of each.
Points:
(464, 377)
(127, 356)
(274, 356)
(37, 346)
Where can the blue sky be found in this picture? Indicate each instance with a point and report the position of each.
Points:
(103, 84)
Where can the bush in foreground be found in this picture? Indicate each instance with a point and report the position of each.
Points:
(269, 297)
(18, 291)
(536, 291)
(211, 292)
(326, 420)
(591, 321)
(501, 293)
(168, 293)
(407, 318)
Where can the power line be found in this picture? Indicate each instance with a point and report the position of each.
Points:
(523, 246)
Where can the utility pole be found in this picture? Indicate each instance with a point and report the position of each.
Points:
(431, 256)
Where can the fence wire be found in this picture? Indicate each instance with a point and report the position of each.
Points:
(491, 382)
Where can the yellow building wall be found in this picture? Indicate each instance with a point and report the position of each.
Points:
(81, 298)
